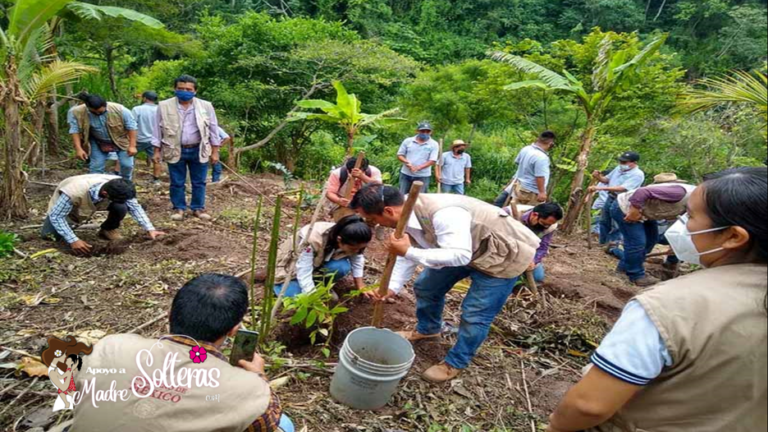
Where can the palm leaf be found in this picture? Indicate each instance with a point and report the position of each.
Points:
(742, 87)
(33, 54)
(643, 57)
(551, 78)
(54, 74)
(29, 15)
(602, 70)
(316, 104)
(528, 84)
(87, 11)
(381, 119)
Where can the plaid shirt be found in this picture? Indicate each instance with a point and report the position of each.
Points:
(63, 207)
(270, 421)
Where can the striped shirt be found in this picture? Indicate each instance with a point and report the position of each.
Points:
(63, 207)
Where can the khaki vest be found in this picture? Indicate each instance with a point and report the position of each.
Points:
(715, 327)
(78, 188)
(502, 246)
(657, 210)
(243, 395)
(115, 125)
(171, 129)
(317, 242)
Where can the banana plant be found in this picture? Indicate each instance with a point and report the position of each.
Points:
(613, 72)
(346, 112)
(29, 73)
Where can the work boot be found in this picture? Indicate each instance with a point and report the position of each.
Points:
(414, 336)
(202, 215)
(441, 373)
(646, 281)
(177, 216)
(113, 235)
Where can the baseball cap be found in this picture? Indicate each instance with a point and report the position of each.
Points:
(630, 157)
(425, 125)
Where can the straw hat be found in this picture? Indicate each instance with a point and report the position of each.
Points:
(666, 178)
(458, 143)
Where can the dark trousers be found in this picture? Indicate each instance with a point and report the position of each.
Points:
(117, 213)
(639, 240)
(501, 199)
(407, 181)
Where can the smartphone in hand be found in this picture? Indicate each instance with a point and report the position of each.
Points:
(244, 347)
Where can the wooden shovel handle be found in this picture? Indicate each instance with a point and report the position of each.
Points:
(386, 277)
(358, 165)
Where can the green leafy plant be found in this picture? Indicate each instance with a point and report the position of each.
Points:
(8, 242)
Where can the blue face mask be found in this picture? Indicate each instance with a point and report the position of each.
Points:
(625, 168)
(184, 95)
(424, 136)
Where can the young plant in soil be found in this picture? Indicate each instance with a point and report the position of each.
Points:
(269, 286)
(7, 243)
(254, 250)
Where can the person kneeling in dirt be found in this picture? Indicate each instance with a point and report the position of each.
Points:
(455, 237)
(638, 214)
(218, 396)
(543, 221)
(91, 193)
(690, 353)
(333, 250)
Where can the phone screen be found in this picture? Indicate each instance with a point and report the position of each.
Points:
(244, 346)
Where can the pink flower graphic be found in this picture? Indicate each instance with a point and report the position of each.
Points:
(198, 354)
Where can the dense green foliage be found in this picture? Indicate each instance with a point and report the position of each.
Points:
(257, 59)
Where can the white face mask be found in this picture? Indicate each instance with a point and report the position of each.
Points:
(681, 241)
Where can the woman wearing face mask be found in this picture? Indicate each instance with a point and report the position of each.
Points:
(333, 250)
(691, 354)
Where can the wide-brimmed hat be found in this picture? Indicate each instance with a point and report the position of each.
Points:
(666, 178)
(458, 143)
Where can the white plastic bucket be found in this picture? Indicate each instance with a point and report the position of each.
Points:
(372, 363)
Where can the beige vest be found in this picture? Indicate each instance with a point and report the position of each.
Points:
(715, 327)
(656, 210)
(171, 129)
(243, 395)
(77, 188)
(317, 242)
(502, 246)
(115, 125)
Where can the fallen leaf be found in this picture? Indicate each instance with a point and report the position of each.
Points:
(577, 353)
(43, 252)
(280, 382)
(9, 366)
(90, 337)
(33, 367)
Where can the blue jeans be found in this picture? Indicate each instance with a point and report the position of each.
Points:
(609, 233)
(147, 148)
(539, 274)
(198, 173)
(99, 162)
(639, 241)
(485, 299)
(406, 181)
(453, 189)
(216, 171)
(337, 268)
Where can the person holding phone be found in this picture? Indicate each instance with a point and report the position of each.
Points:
(333, 250)
(205, 312)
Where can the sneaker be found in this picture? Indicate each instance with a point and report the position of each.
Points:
(202, 215)
(113, 235)
(441, 373)
(646, 281)
(177, 216)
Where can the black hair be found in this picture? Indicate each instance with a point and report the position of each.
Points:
(353, 231)
(83, 95)
(119, 190)
(351, 162)
(78, 361)
(208, 307)
(547, 136)
(185, 79)
(547, 210)
(739, 197)
(95, 102)
(150, 96)
(372, 199)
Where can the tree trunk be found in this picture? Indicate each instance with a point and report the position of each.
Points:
(36, 140)
(52, 126)
(574, 206)
(110, 56)
(350, 143)
(12, 200)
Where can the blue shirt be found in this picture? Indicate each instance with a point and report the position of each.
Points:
(419, 154)
(532, 162)
(630, 180)
(634, 351)
(99, 124)
(223, 136)
(453, 168)
(146, 116)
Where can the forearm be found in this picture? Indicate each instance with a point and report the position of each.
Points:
(615, 189)
(403, 159)
(468, 174)
(570, 417)
(333, 197)
(359, 283)
(132, 137)
(76, 141)
(438, 171)
(541, 182)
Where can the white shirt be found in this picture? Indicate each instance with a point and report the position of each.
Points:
(305, 268)
(453, 229)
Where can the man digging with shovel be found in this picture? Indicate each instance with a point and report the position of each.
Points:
(454, 238)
